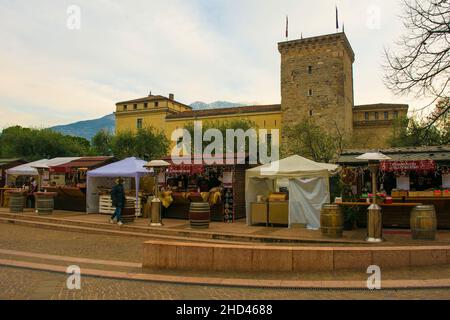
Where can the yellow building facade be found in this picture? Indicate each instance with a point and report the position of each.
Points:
(316, 83)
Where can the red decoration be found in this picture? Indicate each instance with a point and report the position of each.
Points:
(396, 166)
(186, 169)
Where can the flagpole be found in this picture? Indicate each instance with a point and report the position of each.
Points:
(337, 20)
(287, 27)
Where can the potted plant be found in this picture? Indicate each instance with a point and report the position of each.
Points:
(350, 217)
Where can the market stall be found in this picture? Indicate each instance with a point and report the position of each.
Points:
(25, 178)
(221, 185)
(6, 164)
(43, 169)
(69, 180)
(413, 175)
(101, 180)
(290, 191)
(17, 176)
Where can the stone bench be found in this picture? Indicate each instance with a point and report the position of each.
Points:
(160, 254)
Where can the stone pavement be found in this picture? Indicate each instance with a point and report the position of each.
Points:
(18, 283)
(27, 284)
(239, 231)
(93, 246)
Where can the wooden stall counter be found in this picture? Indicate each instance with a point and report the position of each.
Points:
(69, 198)
(395, 215)
(259, 213)
(440, 203)
(279, 212)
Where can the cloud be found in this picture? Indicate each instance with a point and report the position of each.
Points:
(199, 50)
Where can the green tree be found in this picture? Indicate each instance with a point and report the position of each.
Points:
(151, 143)
(310, 140)
(148, 143)
(222, 126)
(411, 133)
(101, 143)
(122, 144)
(33, 144)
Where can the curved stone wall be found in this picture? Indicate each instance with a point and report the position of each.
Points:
(159, 254)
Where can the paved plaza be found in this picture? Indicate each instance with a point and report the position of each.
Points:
(27, 284)
(18, 283)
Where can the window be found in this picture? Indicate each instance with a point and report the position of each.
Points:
(275, 123)
(146, 105)
(366, 116)
(264, 123)
(309, 69)
(179, 140)
(310, 113)
(395, 114)
(156, 103)
(135, 106)
(310, 93)
(269, 139)
(125, 107)
(139, 123)
(377, 116)
(386, 115)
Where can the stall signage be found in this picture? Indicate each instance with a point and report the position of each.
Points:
(419, 165)
(186, 169)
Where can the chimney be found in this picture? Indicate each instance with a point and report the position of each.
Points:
(150, 94)
(171, 96)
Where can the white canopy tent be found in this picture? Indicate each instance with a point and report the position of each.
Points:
(31, 168)
(54, 162)
(105, 176)
(308, 184)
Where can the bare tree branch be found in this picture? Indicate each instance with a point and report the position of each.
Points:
(420, 63)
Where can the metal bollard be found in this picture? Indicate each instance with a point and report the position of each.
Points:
(155, 219)
(374, 224)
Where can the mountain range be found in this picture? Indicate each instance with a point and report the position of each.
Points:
(88, 128)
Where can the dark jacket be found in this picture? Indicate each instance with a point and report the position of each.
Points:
(118, 196)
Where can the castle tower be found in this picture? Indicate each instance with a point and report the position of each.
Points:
(317, 82)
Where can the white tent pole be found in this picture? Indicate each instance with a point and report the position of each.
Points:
(136, 181)
(88, 192)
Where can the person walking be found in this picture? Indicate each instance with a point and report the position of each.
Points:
(118, 201)
(32, 188)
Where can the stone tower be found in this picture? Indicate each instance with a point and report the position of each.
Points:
(317, 82)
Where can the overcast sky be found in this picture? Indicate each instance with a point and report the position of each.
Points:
(200, 50)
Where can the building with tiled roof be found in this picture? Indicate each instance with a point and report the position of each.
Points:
(316, 83)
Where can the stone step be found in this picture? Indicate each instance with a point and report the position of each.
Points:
(175, 233)
(105, 231)
(233, 282)
(82, 262)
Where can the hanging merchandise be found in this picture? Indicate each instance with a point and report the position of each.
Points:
(228, 210)
(446, 181)
(403, 183)
(228, 179)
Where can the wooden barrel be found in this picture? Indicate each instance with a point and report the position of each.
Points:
(44, 204)
(423, 223)
(16, 202)
(331, 221)
(128, 214)
(199, 215)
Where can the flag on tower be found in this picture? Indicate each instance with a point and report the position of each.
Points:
(287, 27)
(337, 19)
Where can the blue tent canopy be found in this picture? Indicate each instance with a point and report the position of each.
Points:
(127, 168)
